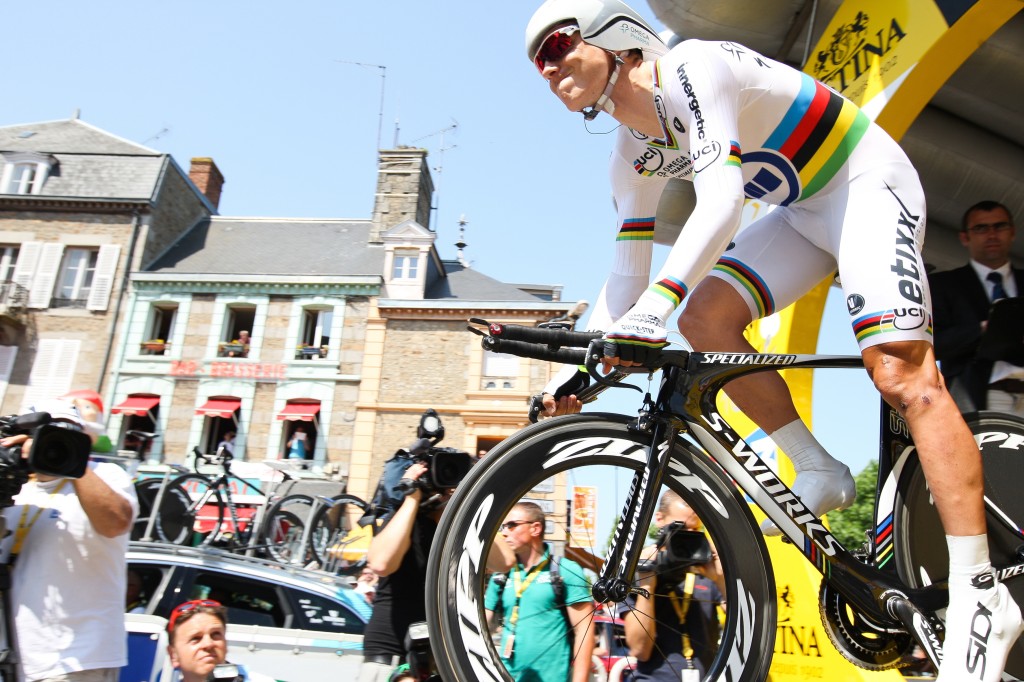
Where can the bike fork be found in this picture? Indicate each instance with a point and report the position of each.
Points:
(615, 581)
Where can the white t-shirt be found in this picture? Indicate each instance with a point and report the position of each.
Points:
(69, 581)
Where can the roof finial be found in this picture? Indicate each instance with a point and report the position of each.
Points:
(461, 244)
(78, 112)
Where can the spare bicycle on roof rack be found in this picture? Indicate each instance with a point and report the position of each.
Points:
(877, 601)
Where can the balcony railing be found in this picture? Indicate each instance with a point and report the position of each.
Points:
(13, 301)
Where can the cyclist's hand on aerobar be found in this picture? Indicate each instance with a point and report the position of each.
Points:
(634, 340)
(553, 407)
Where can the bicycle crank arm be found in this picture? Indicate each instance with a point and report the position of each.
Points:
(917, 624)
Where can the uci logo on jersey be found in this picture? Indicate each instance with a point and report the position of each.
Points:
(905, 319)
(650, 162)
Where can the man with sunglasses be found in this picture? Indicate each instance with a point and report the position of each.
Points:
(739, 125)
(535, 642)
(962, 301)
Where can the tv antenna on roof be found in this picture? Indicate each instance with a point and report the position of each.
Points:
(439, 168)
(383, 81)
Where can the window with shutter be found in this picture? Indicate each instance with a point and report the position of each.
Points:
(103, 279)
(52, 371)
(25, 266)
(41, 291)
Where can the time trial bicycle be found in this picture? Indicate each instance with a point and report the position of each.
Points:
(876, 601)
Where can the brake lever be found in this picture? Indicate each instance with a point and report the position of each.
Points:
(595, 351)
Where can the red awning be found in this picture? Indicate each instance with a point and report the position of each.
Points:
(299, 412)
(137, 405)
(219, 408)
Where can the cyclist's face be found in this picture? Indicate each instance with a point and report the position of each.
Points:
(579, 78)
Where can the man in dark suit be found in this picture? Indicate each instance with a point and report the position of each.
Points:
(961, 303)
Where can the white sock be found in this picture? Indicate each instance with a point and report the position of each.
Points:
(982, 620)
(822, 483)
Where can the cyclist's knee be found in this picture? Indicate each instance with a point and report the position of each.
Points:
(906, 375)
(713, 311)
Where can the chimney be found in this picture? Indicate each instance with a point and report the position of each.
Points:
(404, 190)
(207, 177)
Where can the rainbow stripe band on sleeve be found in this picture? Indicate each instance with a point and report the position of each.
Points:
(636, 229)
(866, 326)
(751, 281)
(734, 154)
(671, 289)
(818, 134)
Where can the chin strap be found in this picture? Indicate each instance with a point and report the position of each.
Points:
(604, 102)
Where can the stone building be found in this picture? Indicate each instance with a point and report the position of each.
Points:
(79, 209)
(355, 327)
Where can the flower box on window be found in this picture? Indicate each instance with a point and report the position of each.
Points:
(154, 346)
(232, 349)
(304, 352)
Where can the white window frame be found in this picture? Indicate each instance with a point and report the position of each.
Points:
(17, 164)
(8, 262)
(319, 321)
(405, 264)
(79, 266)
(7, 357)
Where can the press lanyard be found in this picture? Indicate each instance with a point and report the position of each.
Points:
(681, 609)
(521, 584)
(23, 528)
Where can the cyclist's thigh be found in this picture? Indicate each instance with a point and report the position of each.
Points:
(880, 263)
(771, 264)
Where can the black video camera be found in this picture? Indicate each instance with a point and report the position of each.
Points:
(678, 549)
(446, 467)
(58, 448)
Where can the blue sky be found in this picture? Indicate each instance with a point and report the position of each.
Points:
(267, 91)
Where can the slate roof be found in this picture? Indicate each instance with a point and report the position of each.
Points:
(91, 163)
(70, 136)
(463, 283)
(273, 246)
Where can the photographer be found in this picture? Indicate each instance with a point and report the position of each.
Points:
(673, 633)
(398, 554)
(67, 543)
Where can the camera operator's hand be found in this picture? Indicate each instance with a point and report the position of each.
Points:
(390, 545)
(414, 473)
(712, 570)
(22, 439)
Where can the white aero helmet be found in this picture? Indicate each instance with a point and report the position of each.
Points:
(609, 24)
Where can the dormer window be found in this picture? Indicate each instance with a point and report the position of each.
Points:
(24, 172)
(406, 264)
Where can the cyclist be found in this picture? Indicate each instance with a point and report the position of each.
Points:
(738, 125)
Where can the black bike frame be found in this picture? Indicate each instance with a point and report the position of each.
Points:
(686, 403)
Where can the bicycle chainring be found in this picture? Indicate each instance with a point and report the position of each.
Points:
(861, 641)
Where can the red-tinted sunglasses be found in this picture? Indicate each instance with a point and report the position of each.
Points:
(555, 46)
(188, 607)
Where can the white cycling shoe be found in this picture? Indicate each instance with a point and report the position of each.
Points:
(821, 491)
(981, 627)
